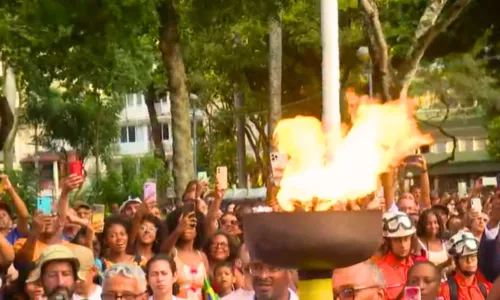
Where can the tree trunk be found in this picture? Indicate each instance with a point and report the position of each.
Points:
(170, 48)
(151, 98)
(275, 75)
(239, 103)
(8, 118)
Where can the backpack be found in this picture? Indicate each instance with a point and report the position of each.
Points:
(452, 283)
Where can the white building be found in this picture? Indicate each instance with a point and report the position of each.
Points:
(135, 134)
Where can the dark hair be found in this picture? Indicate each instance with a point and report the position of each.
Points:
(436, 270)
(108, 223)
(173, 221)
(234, 247)
(159, 231)
(16, 288)
(173, 268)
(223, 264)
(422, 222)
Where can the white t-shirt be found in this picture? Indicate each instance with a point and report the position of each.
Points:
(241, 294)
(96, 295)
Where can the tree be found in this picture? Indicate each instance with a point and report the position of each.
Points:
(454, 82)
(128, 180)
(394, 79)
(88, 123)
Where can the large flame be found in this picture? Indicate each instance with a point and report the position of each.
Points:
(380, 137)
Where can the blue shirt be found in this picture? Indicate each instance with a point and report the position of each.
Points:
(14, 235)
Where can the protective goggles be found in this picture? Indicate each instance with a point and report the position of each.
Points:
(467, 244)
(395, 223)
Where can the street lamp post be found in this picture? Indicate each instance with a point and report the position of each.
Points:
(331, 74)
(363, 55)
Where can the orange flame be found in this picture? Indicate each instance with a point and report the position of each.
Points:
(380, 137)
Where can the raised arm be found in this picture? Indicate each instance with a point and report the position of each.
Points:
(21, 209)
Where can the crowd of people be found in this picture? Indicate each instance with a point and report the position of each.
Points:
(433, 247)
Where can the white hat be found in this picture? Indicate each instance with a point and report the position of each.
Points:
(397, 224)
(462, 244)
(128, 201)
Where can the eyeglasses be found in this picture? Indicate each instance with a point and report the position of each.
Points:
(125, 296)
(144, 228)
(394, 224)
(229, 222)
(220, 245)
(259, 269)
(349, 293)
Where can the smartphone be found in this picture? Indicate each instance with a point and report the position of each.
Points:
(44, 204)
(278, 164)
(76, 167)
(188, 207)
(476, 204)
(413, 159)
(412, 293)
(221, 176)
(150, 190)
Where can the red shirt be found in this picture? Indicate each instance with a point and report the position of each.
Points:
(395, 273)
(465, 291)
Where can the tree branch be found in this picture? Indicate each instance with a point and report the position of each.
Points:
(251, 139)
(439, 127)
(378, 49)
(424, 37)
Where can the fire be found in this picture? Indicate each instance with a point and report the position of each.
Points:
(380, 137)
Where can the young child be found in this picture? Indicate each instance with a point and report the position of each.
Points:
(224, 278)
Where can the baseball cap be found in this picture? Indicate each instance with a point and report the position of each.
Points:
(129, 201)
(79, 203)
(55, 253)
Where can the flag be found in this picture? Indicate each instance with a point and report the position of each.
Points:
(208, 291)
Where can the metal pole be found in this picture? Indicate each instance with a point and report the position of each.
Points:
(331, 73)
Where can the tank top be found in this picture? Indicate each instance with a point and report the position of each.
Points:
(190, 277)
(436, 257)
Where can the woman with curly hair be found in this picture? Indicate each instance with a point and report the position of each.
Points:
(184, 244)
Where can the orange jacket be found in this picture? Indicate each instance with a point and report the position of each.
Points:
(395, 273)
(465, 291)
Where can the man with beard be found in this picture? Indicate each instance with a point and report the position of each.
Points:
(398, 230)
(270, 283)
(465, 285)
(57, 270)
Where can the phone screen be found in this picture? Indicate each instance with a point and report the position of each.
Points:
(44, 204)
(412, 293)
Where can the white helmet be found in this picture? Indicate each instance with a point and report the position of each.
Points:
(397, 224)
(462, 244)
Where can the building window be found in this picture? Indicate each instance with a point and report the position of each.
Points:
(165, 134)
(140, 99)
(128, 134)
(479, 144)
(465, 145)
(439, 147)
(130, 100)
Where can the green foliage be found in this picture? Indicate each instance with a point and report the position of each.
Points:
(493, 146)
(25, 183)
(87, 122)
(458, 81)
(128, 180)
